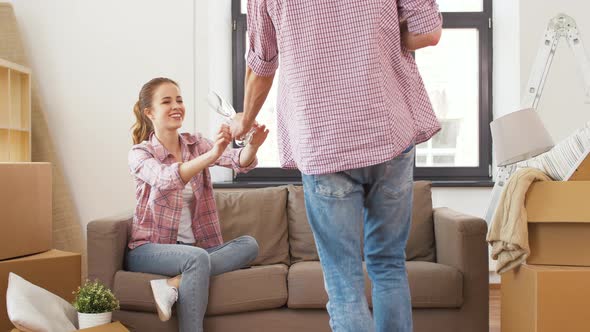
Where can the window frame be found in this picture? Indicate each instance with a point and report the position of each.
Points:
(443, 176)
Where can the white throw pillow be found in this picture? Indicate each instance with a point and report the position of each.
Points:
(34, 309)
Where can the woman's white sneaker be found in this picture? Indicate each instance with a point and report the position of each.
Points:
(165, 297)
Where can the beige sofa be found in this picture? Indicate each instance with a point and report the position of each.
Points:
(283, 291)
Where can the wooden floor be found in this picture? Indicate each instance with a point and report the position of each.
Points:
(494, 309)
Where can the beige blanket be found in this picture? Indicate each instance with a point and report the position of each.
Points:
(508, 234)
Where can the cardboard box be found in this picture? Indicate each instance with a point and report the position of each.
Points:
(25, 209)
(582, 170)
(538, 298)
(559, 223)
(57, 271)
(112, 327)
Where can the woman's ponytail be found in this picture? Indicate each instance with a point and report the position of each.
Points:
(142, 127)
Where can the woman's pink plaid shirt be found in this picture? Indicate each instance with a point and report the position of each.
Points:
(159, 187)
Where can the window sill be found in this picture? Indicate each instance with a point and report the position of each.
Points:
(253, 184)
(463, 184)
(265, 184)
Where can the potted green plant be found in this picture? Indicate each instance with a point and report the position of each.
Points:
(95, 304)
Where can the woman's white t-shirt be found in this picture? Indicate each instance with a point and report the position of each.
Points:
(185, 230)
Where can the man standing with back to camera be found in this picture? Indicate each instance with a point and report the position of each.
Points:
(351, 108)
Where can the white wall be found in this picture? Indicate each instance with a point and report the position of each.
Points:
(506, 86)
(561, 106)
(89, 60)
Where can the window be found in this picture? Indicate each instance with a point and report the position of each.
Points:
(457, 74)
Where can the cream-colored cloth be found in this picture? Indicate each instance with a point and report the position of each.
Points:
(508, 234)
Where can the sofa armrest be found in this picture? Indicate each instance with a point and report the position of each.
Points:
(461, 243)
(460, 240)
(107, 243)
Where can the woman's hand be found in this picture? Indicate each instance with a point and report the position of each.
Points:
(248, 155)
(221, 142)
(259, 136)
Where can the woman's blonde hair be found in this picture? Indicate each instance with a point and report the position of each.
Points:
(143, 126)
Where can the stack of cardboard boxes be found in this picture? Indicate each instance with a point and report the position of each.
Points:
(552, 291)
(25, 236)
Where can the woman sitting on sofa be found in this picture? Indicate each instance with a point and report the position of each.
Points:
(176, 229)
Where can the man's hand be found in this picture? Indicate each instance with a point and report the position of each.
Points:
(221, 142)
(259, 136)
(240, 126)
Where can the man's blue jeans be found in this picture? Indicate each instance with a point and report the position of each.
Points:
(338, 204)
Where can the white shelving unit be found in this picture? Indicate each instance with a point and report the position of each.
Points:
(15, 112)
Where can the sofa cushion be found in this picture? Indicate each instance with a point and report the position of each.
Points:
(432, 285)
(420, 245)
(261, 213)
(301, 242)
(256, 288)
